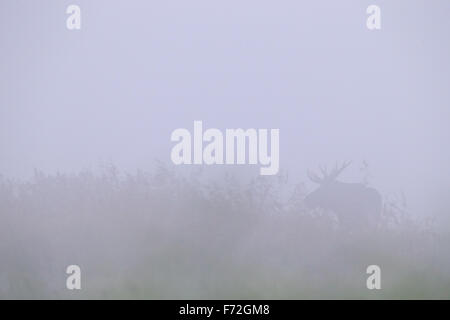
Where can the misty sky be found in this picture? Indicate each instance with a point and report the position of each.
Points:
(114, 91)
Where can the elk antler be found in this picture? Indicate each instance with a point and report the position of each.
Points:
(337, 170)
(314, 177)
(325, 175)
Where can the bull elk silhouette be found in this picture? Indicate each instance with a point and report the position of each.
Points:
(354, 204)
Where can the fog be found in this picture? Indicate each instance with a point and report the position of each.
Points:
(74, 104)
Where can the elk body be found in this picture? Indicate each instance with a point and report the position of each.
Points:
(354, 204)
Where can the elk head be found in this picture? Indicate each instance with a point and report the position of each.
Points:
(327, 194)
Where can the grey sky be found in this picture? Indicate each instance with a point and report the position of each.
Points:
(137, 70)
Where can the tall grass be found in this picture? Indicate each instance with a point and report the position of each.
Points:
(164, 235)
